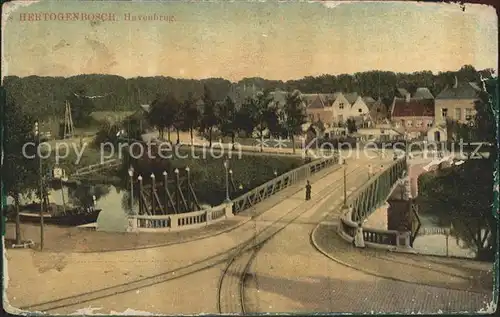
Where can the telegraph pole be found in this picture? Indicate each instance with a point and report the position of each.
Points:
(37, 133)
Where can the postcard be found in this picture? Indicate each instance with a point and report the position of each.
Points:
(243, 157)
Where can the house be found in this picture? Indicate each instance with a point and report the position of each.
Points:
(378, 112)
(437, 134)
(318, 110)
(457, 103)
(379, 134)
(359, 108)
(341, 108)
(413, 117)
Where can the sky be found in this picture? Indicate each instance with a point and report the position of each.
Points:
(239, 39)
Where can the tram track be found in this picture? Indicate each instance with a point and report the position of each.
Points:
(231, 285)
(229, 255)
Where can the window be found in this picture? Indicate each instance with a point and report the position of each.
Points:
(360, 110)
(458, 114)
(341, 118)
(378, 109)
(468, 114)
(409, 123)
(419, 124)
(429, 123)
(341, 105)
(444, 112)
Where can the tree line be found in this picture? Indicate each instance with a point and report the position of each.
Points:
(45, 97)
(260, 113)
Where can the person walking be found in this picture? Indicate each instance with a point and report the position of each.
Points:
(308, 191)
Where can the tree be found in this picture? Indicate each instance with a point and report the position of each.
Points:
(227, 118)
(295, 115)
(209, 117)
(244, 117)
(191, 115)
(462, 196)
(163, 113)
(264, 114)
(81, 107)
(19, 171)
(351, 126)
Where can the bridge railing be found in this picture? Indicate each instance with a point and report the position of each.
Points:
(158, 223)
(96, 167)
(366, 200)
(279, 183)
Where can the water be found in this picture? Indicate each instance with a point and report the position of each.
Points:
(113, 202)
(436, 244)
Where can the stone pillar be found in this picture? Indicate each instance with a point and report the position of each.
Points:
(403, 239)
(173, 222)
(132, 224)
(229, 209)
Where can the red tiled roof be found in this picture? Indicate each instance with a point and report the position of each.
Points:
(413, 108)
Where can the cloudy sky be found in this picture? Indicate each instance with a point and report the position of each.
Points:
(239, 39)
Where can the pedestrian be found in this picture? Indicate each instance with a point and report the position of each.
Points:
(308, 191)
(359, 241)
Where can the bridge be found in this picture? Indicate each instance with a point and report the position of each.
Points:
(267, 251)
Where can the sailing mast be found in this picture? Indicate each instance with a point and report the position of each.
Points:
(68, 121)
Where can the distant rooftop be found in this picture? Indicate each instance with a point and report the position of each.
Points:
(423, 93)
(460, 90)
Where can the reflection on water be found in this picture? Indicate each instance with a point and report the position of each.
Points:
(113, 201)
(436, 243)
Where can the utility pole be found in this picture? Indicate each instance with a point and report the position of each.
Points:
(345, 186)
(37, 133)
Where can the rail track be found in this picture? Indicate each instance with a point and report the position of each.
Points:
(231, 285)
(229, 256)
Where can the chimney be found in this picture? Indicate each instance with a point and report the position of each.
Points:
(456, 83)
(407, 97)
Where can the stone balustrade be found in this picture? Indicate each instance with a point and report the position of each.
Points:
(177, 222)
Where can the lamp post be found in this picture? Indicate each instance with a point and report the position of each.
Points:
(226, 167)
(177, 196)
(37, 134)
(345, 185)
(189, 188)
(139, 178)
(153, 188)
(165, 184)
(131, 174)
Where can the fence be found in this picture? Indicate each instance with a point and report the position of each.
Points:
(159, 223)
(279, 183)
(366, 200)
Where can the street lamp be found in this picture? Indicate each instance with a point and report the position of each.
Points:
(275, 173)
(177, 196)
(131, 174)
(226, 167)
(37, 134)
(189, 188)
(153, 189)
(139, 178)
